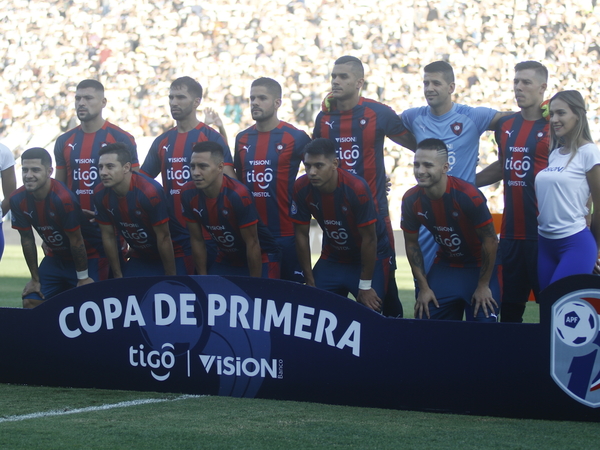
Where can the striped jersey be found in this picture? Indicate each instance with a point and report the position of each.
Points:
(523, 151)
(452, 220)
(267, 163)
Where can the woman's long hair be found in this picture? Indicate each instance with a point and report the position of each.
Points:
(581, 130)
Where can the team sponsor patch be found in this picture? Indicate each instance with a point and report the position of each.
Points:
(574, 361)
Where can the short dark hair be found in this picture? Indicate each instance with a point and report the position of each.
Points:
(38, 153)
(434, 144)
(94, 84)
(193, 87)
(119, 149)
(355, 63)
(539, 68)
(215, 149)
(270, 84)
(321, 146)
(441, 67)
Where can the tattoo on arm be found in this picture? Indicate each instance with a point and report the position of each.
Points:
(79, 254)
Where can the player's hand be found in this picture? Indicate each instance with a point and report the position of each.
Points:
(425, 297)
(370, 299)
(89, 215)
(211, 116)
(33, 287)
(87, 280)
(482, 298)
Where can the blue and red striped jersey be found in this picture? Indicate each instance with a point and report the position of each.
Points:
(77, 153)
(224, 216)
(340, 214)
(267, 163)
(359, 135)
(52, 216)
(452, 220)
(170, 156)
(523, 150)
(134, 216)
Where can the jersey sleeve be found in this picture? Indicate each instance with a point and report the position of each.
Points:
(474, 205)
(317, 129)
(364, 208)
(59, 154)
(408, 219)
(481, 117)
(19, 220)
(156, 205)
(68, 208)
(7, 159)
(299, 212)
(394, 126)
(408, 117)
(102, 216)
(245, 210)
(151, 166)
(591, 157)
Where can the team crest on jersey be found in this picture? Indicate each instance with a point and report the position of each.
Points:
(363, 122)
(103, 144)
(225, 212)
(456, 128)
(294, 208)
(138, 212)
(541, 135)
(574, 344)
(279, 148)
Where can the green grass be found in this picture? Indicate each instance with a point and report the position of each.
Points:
(216, 422)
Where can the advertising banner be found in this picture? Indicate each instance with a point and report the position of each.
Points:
(259, 338)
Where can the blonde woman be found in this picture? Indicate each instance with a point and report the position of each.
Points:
(566, 245)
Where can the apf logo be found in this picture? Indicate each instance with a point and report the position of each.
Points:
(154, 359)
(574, 361)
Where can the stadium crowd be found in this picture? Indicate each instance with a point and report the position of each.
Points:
(136, 48)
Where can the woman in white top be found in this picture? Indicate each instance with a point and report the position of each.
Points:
(566, 245)
(9, 184)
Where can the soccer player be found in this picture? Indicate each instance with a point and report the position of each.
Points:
(459, 126)
(76, 151)
(456, 214)
(225, 208)
(266, 159)
(170, 152)
(358, 127)
(9, 184)
(523, 141)
(136, 207)
(53, 210)
(356, 251)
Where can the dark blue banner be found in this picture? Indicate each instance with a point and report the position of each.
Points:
(245, 337)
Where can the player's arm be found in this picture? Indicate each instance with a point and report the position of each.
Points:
(212, 117)
(417, 266)
(30, 255)
(368, 257)
(406, 139)
(499, 115)
(60, 174)
(9, 184)
(165, 247)
(303, 251)
(198, 248)
(490, 175)
(111, 249)
(79, 254)
(482, 297)
(253, 255)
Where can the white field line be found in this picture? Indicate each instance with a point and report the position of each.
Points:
(143, 401)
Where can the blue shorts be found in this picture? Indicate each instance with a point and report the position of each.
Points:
(140, 267)
(57, 276)
(559, 258)
(290, 267)
(454, 287)
(270, 269)
(343, 278)
(519, 270)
